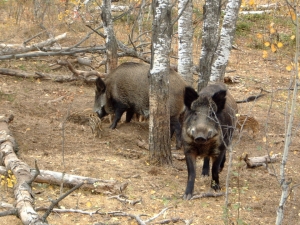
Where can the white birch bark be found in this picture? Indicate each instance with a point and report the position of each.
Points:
(226, 39)
(210, 39)
(284, 182)
(185, 40)
(159, 121)
(110, 39)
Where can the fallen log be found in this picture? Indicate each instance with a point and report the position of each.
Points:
(259, 161)
(69, 180)
(17, 49)
(86, 77)
(93, 184)
(22, 189)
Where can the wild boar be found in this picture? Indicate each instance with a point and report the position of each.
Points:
(207, 130)
(126, 89)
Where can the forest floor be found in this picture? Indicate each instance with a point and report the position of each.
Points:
(43, 134)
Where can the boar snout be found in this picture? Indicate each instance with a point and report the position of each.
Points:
(202, 135)
(101, 113)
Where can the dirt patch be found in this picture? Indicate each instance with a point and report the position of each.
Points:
(254, 193)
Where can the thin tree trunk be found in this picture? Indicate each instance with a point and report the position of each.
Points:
(210, 39)
(185, 40)
(159, 121)
(284, 182)
(110, 38)
(226, 40)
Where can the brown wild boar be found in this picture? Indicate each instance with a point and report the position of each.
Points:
(207, 130)
(126, 89)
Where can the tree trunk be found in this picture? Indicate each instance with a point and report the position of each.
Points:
(110, 38)
(210, 38)
(159, 121)
(226, 39)
(185, 40)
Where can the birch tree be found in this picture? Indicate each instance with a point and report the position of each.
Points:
(210, 38)
(110, 39)
(159, 121)
(284, 181)
(185, 40)
(226, 39)
(216, 45)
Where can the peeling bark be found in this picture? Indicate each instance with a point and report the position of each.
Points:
(82, 75)
(159, 121)
(185, 40)
(110, 39)
(226, 39)
(22, 190)
(210, 39)
(13, 49)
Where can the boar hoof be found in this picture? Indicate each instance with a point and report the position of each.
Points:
(205, 173)
(215, 186)
(187, 196)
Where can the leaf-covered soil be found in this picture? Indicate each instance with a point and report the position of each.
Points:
(43, 134)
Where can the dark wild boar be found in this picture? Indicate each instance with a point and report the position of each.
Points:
(126, 89)
(207, 130)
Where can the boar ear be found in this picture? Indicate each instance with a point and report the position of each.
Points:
(100, 85)
(220, 99)
(190, 95)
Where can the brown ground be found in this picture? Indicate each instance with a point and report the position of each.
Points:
(37, 129)
(254, 193)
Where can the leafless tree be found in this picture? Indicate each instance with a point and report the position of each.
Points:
(217, 45)
(110, 38)
(159, 122)
(185, 40)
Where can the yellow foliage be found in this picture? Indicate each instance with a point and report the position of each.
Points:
(267, 44)
(89, 204)
(279, 44)
(9, 183)
(289, 68)
(272, 30)
(293, 37)
(293, 15)
(273, 48)
(265, 54)
(251, 2)
(259, 35)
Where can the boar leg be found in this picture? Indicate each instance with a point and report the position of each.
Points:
(129, 115)
(222, 163)
(191, 167)
(217, 161)
(205, 168)
(118, 114)
(176, 127)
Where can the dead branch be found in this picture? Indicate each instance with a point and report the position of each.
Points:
(23, 195)
(208, 194)
(54, 203)
(123, 198)
(79, 73)
(142, 144)
(92, 184)
(17, 49)
(59, 51)
(6, 205)
(138, 217)
(56, 100)
(44, 76)
(167, 221)
(259, 161)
